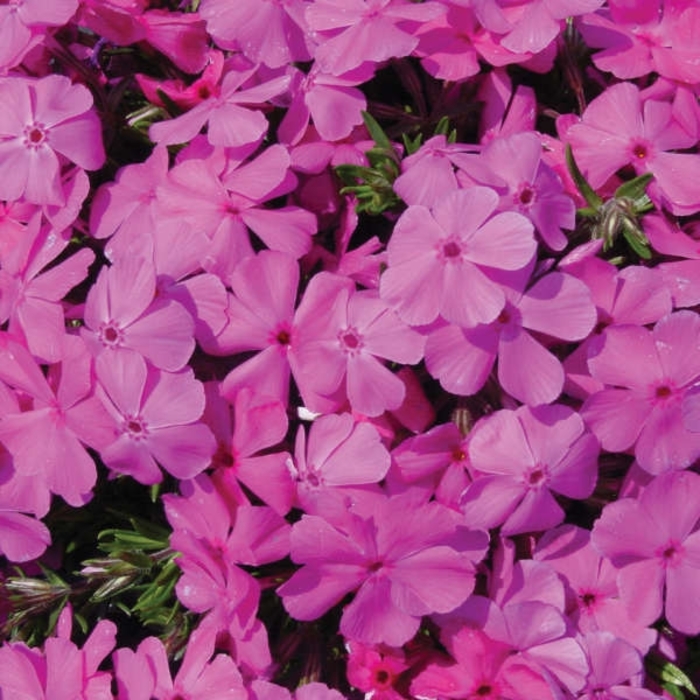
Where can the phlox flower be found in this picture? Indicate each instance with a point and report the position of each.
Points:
(527, 184)
(520, 459)
(593, 600)
(507, 109)
(428, 174)
(437, 260)
(273, 33)
(155, 419)
(479, 667)
(22, 23)
(437, 457)
(632, 295)
(643, 135)
(61, 415)
(339, 452)
(123, 313)
(646, 374)
(22, 537)
(333, 103)
(350, 32)
(226, 199)
(343, 338)
(30, 294)
(250, 423)
(203, 675)
(654, 542)
(446, 46)
(60, 669)
(616, 669)
(45, 123)
(636, 39)
(377, 671)
(403, 560)
(529, 26)
(231, 121)
(557, 305)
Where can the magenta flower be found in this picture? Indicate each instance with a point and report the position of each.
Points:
(45, 123)
(646, 376)
(658, 566)
(155, 418)
(351, 32)
(644, 135)
(340, 452)
(404, 560)
(341, 341)
(122, 313)
(557, 305)
(60, 669)
(273, 33)
(438, 260)
(203, 674)
(521, 458)
(228, 113)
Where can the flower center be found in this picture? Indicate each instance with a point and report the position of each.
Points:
(350, 340)
(34, 135)
(451, 250)
(135, 427)
(640, 151)
(110, 334)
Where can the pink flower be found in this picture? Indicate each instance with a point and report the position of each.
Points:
(341, 341)
(45, 123)
(557, 305)
(60, 669)
(155, 418)
(339, 453)
(353, 31)
(404, 560)
(646, 376)
(438, 259)
(521, 458)
(122, 313)
(654, 542)
(642, 135)
(273, 33)
(203, 674)
(228, 114)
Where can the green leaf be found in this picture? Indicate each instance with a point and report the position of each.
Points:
(587, 192)
(639, 246)
(377, 133)
(443, 127)
(411, 145)
(634, 189)
(668, 674)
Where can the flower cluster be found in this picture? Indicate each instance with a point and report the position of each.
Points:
(349, 347)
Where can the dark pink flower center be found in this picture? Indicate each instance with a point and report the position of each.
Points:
(671, 554)
(526, 195)
(451, 250)
(663, 392)
(536, 475)
(640, 151)
(350, 340)
(110, 334)
(588, 599)
(483, 691)
(34, 135)
(283, 337)
(383, 678)
(135, 427)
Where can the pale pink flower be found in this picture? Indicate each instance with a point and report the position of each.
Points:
(155, 419)
(438, 259)
(654, 542)
(646, 376)
(520, 460)
(269, 32)
(353, 31)
(644, 135)
(228, 113)
(342, 340)
(123, 313)
(404, 560)
(45, 123)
